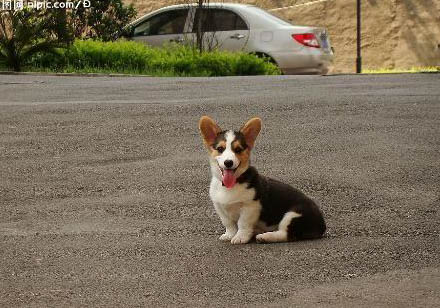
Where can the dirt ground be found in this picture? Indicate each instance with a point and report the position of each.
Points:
(104, 191)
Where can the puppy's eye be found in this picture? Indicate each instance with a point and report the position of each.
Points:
(220, 149)
(238, 150)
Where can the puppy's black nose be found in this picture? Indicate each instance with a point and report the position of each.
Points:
(228, 163)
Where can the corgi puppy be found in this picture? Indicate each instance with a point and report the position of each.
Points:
(248, 203)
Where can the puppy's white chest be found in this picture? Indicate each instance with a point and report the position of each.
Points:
(237, 194)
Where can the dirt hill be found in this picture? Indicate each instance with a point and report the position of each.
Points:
(396, 33)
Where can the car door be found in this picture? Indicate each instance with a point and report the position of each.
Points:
(222, 29)
(164, 27)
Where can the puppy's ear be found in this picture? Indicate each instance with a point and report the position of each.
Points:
(209, 130)
(251, 130)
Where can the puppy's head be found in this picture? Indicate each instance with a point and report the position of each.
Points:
(229, 150)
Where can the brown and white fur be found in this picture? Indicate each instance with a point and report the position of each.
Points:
(248, 203)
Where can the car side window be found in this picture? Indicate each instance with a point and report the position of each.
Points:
(170, 22)
(214, 20)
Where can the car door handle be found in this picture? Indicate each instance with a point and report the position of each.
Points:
(177, 40)
(237, 36)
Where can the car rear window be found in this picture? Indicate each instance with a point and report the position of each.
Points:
(271, 16)
(214, 20)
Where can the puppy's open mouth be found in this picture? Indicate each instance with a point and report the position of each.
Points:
(228, 177)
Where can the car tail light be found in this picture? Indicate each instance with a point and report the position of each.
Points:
(307, 39)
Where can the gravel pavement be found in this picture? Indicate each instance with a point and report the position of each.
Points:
(104, 191)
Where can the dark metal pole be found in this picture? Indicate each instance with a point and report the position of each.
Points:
(358, 58)
(199, 26)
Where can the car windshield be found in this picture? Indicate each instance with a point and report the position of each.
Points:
(272, 17)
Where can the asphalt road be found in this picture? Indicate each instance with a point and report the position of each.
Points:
(104, 191)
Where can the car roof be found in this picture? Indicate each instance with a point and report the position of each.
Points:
(212, 4)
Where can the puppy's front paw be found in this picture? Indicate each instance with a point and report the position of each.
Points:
(226, 237)
(241, 238)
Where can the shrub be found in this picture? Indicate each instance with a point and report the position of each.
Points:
(102, 20)
(26, 32)
(137, 58)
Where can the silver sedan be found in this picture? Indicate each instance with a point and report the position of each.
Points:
(240, 27)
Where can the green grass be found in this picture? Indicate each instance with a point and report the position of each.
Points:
(429, 69)
(127, 57)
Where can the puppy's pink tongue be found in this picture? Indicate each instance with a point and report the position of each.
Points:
(229, 179)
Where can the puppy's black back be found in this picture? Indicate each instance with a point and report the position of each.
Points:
(278, 198)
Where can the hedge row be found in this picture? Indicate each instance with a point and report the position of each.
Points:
(137, 58)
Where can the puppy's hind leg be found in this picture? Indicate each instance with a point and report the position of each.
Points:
(281, 235)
